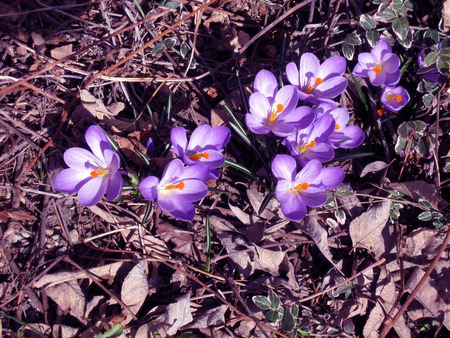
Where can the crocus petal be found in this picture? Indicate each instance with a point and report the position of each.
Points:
(283, 129)
(288, 97)
(219, 137)
(330, 88)
(149, 187)
(115, 185)
(215, 158)
(309, 68)
(391, 62)
(197, 171)
(256, 126)
(97, 140)
(360, 71)
(166, 203)
(193, 190)
(331, 177)
(309, 172)
(354, 137)
(334, 66)
(178, 139)
(341, 117)
(92, 192)
(172, 171)
(213, 174)
(292, 73)
(184, 211)
(259, 106)
(367, 60)
(377, 79)
(301, 117)
(316, 201)
(82, 159)
(284, 167)
(392, 78)
(381, 48)
(200, 136)
(322, 128)
(266, 83)
(283, 191)
(71, 180)
(294, 209)
(112, 160)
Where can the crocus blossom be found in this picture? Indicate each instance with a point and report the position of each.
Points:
(318, 83)
(380, 65)
(312, 142)
(394, 98)
(343, 136)
(273, 110)
(309, 187)
(205, 146)
(91, 174)
(432, 74)
(177, 189)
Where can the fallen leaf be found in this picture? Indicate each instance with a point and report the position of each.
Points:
(93, 105)
(61, 52)
(420, 189)
(310, 226)
(205, 320)
(135, 289)
(374, 171)
(128, 145)
(69, 298)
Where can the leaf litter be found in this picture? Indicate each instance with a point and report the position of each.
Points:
(72, 271)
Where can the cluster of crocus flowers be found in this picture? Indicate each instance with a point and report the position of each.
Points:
(381, 66)
(308, 187)
(91, 173)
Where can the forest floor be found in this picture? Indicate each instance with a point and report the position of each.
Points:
(373, 261)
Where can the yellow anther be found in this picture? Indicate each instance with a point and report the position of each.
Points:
(380, 111)
(336, 127)
(307, 146)
(311, 87)
(98, 172)
(302, 186)
(397, 98)
(377, 69)
(274, 113)
(198, 156)
(176, 186)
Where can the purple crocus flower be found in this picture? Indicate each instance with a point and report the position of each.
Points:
(433, 74)
(343, 136)
(318, 83)
(312, 142)
(275, 110)
(394, 98)
(177, 189)
(380, 65)
(91, 173)
(205, 146)
(295, 191)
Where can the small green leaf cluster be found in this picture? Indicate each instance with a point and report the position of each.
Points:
(412, 135)
(431, 215)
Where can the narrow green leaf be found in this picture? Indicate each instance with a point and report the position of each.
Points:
(401, 27)
(353, 39)
(348, 51)
(272, 316)
(288, 323)
(386, 16)
(372, 37)
(262, 302)
(169, 42)
(208, 243)
(159, 48)
(246, 171)
(184, 49)
(425, 216)
(407, 42)
(358, 89)
(430, 59)
(265, 202)
(115, 331)
(274, 300)
(367, 22)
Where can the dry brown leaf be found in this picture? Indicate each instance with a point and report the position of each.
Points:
(310, 226)
(17, 215)
(181, 238)
(446, 15)
(434, 295)
(134, 289)
(254, 226)
(94, 106)
(421, 245)
(374, 172)
(269, 260)
(61, 52)
(128, 145)
(369, 230)
(420, 189)
(205, 320)
(39, 42)
(69, 298)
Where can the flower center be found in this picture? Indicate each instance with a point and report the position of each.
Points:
(176, 186)
(397, 98)
(307, 146)
(311, 87)
(377, 69)
(299, 187)
(380, 111)
(275, 112)
(337, 126)
(198, 156)
(98, 172)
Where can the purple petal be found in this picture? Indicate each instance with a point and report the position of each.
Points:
(377, 79)
(92, 192)
(292, 74)
(341, 117)
(367, 61)
(215, 158)
(301, 117)
(200, 137)
(322, 152)
(381, 48)
(178, 139)
(331, 88)
(149, 187)
(71, 180)
(284, 167)
(391, 62)
(213, 174)
(184, 212)
(259, 106)
(283, 191)
(219, 137)
(112, 160)
(282, 129)
(193, 190)
(354, 137)
(331, 177)
(288, 97)
(294, 209)
(115, 185)
(334, 66)
(256, 126)
(166, 202)
(82, 159)
(322, 128)
(360, 71)
(173, 170)
(97, 140)
(309, 172)
(316, 201)
(392, 78)
(266, 83)
(309, 68)
(196, 171)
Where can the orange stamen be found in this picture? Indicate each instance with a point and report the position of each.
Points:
(311, 87)
(301, 187)
(177, 186)
(274, 114)
(307, 146)
(380, 111)
(336, 127)
(98, 172)
(199, 156)
(397, 98)
(377, 69)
